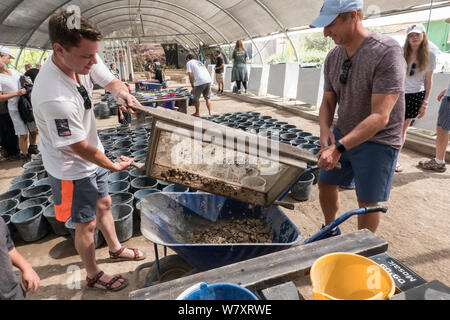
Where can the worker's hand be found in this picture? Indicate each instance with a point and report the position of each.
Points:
(422, 110)
(441, 95)
(30, 280)
(122, 163)
(126, 101)
(328, 157)
(21, 92)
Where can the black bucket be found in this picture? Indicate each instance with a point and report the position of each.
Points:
(123, 221)
(25, 176)
(119, 176)
(143, 183)
(15, 194)
(119, 186)
(22, 185)
(137, 173)
(8, 206)
(30, 223)
(37, 191)
(303, 189)
(122, 144)
(139, 153)
(98, 237)
(175, 188)
(39, 170)
(40, 201)
(58, 227)
(162, 184)
(122, 198)
(138, 195)
(43, 182)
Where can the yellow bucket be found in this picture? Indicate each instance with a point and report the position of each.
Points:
(348, 276)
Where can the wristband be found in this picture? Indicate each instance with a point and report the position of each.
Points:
(340, 147)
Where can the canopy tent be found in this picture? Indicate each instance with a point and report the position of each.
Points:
(23, 23)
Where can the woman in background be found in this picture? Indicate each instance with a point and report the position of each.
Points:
(239, 71)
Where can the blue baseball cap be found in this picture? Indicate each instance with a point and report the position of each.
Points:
(332, 8)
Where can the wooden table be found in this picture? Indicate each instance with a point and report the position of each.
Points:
(182, 107)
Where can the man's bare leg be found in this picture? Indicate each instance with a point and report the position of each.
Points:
(329, 201)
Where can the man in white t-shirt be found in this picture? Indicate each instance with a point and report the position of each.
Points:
(71, 150)
(200, 82)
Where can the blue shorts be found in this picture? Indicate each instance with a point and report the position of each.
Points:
(77, 199)
(370, 165)
(444, 114)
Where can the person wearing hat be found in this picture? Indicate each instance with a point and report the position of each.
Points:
(10, 91)
(365, 75)
(421, 64)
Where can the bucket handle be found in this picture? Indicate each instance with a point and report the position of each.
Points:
(342, 218)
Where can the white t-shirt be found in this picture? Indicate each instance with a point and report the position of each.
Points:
(10, 84)
(62, 120)
(198, 69)
(416, 82)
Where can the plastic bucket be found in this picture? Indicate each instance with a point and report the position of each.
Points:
(43, 182)
(30, 223)
(123, 221)
(139, 153)
(25, 176)
(8, 206)
(138, 195)
(122, 198)
(303, 189)
(162, 184)
(137, 173)
(119, 186)
(122, 144)
(348, 276)
(175, 188)
(217, 291)
(119, 176)
(15, 194)
(22, 185)
(58, 227)
(40, 201)
(98, 237)
(37, 191)
(143, 183)
(297, 142)
(39, 170)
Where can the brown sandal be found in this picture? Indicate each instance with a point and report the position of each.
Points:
(108, 285)
(116, 255)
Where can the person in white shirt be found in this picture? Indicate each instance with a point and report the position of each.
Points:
(71, 150)
(200, 82)
(10, 91)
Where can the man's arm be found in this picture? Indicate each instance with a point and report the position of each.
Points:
(191, 79)
(6, 97)
(30, 279)
(92, 154)
(326, 116)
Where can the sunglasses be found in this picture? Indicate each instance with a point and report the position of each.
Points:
(345, 68)
(84, 94)
(413, 67)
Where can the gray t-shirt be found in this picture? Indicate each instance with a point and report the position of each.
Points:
(378, 67)
(10, 288)
(416, 82)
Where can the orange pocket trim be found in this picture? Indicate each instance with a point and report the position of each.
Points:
(64, 210)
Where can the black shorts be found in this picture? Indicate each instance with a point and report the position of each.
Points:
(413, 102)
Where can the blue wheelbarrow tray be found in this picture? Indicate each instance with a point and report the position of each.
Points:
(169, 219)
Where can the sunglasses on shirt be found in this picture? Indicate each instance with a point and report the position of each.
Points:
(345, 69)
(413, 67)
(84, 94)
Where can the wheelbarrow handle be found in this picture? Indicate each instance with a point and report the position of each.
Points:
(342, 218)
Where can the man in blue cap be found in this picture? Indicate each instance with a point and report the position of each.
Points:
(365, 75)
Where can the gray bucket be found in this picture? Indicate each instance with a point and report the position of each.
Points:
(22, 185)
(162, 184)
(39, 170)
(121, 152)
(98, 237)
(15, 194)
(123, 221)
(119, 176)
(122, 198)
(43, 182)
(137, 173)
(8, 206)
(37, 191)
(139, 153)
(141, 158)
(143, 192)
(175, 188)
(30, 223)
(303, 189)
(143, 183)
(122, 144)
(40, 201)
(25, 176)
(119, 186)
(58, 227)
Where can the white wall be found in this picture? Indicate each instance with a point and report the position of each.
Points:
(258, 79)
(310, 86)
(283, 79)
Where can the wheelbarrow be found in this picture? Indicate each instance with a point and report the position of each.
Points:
(167, 219)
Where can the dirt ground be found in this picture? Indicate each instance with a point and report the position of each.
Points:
(416, 225)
